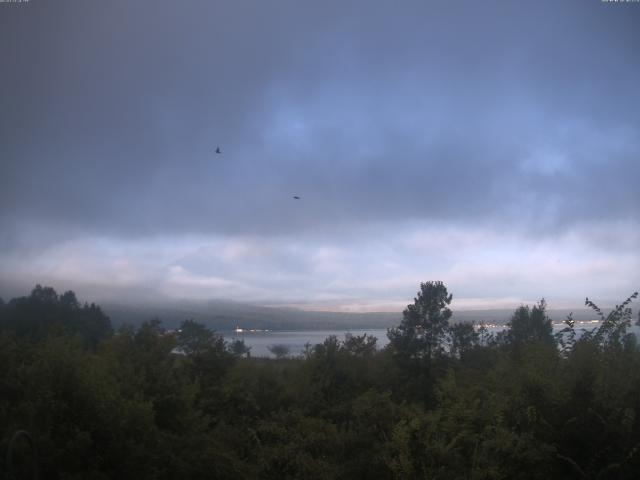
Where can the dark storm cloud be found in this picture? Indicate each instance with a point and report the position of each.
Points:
(469, 112)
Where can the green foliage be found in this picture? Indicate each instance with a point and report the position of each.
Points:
(154, 404)
(44, 313)
(279, 351)
(360, 345)
(530, 325)
(196, 339)
(463, 337)
(424, 326)
(612, 332)
(239, 349)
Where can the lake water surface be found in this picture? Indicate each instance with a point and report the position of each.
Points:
(295, 340)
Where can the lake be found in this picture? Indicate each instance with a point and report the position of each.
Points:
(295, 340)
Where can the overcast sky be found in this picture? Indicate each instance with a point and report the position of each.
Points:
(494, 145)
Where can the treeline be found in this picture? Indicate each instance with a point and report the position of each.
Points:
(441, 401)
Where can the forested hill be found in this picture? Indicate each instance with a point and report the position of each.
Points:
(441, 400)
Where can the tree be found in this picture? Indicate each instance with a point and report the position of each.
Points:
(360, 345)
(43, 294)
(44, 312)
(238, 348)
(612, 332)
(195, 338)
(279, 350)
(530, 325)
(91, 322)
(69, 300)
(463, 337)
(424, 326)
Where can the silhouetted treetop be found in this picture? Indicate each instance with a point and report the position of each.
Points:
(423, 329)
(530, 325)
(43, 311)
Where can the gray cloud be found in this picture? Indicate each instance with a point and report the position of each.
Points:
(477, 115)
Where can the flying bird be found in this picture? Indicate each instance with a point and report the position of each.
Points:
(296, 197)
(218, 150)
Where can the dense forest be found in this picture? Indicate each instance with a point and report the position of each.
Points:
(442, 401)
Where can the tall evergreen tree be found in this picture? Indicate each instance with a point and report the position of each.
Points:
(423, 330)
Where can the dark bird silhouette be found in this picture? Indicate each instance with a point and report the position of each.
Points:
(218, 150)
(296, 197)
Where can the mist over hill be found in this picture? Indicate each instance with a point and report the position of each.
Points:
(221, 315)
(227, 315)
